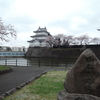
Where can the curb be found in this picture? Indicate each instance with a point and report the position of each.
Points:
(6, 71)
(10, 92)
(21, 85)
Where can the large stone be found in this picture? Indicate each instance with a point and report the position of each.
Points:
(64, 95)
(84, 76)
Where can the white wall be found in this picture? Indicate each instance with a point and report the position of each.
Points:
(37, 44)
(19, 48)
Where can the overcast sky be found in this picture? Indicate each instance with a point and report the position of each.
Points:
(68, 17)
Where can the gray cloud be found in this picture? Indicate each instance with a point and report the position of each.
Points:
(28, 17)
(23, 23)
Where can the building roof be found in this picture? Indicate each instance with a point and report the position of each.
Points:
(41, 35)
(40, 40)
(41, 30)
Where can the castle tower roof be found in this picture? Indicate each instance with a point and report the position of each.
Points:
(41, 30)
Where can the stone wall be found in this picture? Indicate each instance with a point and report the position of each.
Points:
(58, 52)
(39, 52)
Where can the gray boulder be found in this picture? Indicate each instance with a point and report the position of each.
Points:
(64, 95)
(84, 76)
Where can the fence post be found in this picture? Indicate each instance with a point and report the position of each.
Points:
(39, 63)
(52, 62)
(16, 62)
(66, 65)
(27, 62)
(5, 62)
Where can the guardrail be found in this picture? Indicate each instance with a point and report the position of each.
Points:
(12, 53)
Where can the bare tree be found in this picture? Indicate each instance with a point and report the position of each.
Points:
(6, 31)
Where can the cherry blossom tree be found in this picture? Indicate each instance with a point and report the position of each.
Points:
(6, 31)
(95, 40)
(59, 39)
(83, 39)
(75, 41)
(50, 40)
(69, 39)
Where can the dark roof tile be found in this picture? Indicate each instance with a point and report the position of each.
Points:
(40, 40)
(41, 30)
(42, 35)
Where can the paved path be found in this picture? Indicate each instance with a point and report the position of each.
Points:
(18, 76)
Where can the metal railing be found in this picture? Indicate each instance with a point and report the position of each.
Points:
(37, 63)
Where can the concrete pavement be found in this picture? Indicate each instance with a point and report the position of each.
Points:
(18, 76)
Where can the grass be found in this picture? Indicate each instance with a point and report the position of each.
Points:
(3, 68)
(44, 88)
